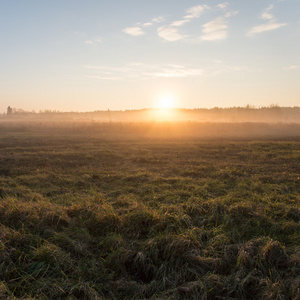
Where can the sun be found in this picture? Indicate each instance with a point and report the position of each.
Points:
(165, 108)
(166, 102)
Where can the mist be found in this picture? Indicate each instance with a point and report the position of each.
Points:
(236, 122)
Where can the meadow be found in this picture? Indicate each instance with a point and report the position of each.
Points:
(87, 214)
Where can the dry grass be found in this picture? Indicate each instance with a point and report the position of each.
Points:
(87, 218)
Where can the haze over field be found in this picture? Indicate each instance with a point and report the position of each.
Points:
(70, 55)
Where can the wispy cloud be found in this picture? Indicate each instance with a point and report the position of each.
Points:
(142, 71)
(266, 14)
(214, 30)
(217, 29)
(172, 71)
(265, 27)
(172, 32)
(169, 33)
(271, 25)
(215, 36)
(191, 13)
(153, 21)
(134, 31)
(223, 5)
(179, 23)
(103, 77)
(292, 67)
(215, 25)
(93, 41)
(195, 11)
(228, 13)
(157, 19)
(137, 30)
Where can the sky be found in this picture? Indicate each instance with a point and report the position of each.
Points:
(75, 55)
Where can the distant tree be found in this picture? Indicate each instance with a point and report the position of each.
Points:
(9, 110)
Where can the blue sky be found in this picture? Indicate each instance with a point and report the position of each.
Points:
(73, 55)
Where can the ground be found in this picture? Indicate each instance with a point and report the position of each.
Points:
(94, 217)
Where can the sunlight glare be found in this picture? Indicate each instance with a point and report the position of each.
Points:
(166, 101)
(165, 107)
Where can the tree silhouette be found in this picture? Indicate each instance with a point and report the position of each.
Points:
(9, 110)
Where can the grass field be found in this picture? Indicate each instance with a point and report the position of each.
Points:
(91, 217)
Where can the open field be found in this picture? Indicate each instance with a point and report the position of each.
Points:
(89, 215)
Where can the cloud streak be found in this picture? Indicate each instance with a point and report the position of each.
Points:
(217, 29)
(134, 31)
(142, 71)
(223, 5)
(169, 33)
(138, 30)
(214, 30)
(265, 27)
(195, 11)
(93, 41)
(271, 25)
(292, 67)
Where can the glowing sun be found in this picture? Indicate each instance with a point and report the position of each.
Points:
(166, 101)
(165, 107)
